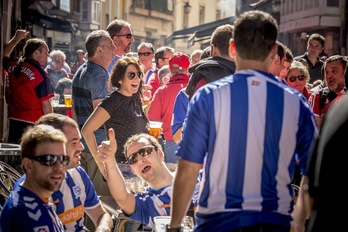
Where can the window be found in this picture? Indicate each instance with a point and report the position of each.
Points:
(218, 14)
(201, 14)
(84, 10)
(333, 3)
(96, 11)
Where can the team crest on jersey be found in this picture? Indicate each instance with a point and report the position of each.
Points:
(77, 191)
(41, 229)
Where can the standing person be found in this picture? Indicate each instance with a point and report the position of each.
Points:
(146, 55)
(162, 103)
(315, 46)
(89, 87)
(121, 110)
(246, 140)
(162, 56)
(55, 68)
(334, 74)
(219, 65)
(298, 77)
(287, 63)
(29, 89)
(278, 62)
(121, 33)
(80, 60)
(44, 162)
(324, 167)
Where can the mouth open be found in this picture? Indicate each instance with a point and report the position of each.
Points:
(146, 169)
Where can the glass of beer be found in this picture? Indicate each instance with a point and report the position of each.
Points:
(67, 100)
(155, 129)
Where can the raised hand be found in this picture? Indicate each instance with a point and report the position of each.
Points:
(107, 149)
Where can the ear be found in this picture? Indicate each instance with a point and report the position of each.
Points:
(160, 154)
(274, 51)
(232, 49)
(277, 59)
(27, 164)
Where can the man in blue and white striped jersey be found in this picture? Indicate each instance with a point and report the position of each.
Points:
(245, 130)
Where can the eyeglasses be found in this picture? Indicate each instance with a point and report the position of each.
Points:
(50, 160)
(299, 77)
(144, 53)
(128, 36)
(143, 152)
(131, 75)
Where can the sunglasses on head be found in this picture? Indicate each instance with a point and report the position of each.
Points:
(128, 36)
(131, 75)
(143, 152)
(144, 53)
(50, 160)
(299, 77)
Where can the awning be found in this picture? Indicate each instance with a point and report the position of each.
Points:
(53, 23)
(198, 33)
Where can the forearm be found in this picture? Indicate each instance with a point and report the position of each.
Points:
(302, 207)
(92, 146)
(183, 190)
(105, 223)
(118, 189)
(47, 107)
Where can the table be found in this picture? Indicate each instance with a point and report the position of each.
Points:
(62, 109)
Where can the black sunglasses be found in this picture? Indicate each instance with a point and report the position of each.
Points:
(299, 77)
(143, 152)
(144, 53)
(131, 75)
(50, 160)
(128, 36)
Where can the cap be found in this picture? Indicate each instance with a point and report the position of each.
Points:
(179, 60)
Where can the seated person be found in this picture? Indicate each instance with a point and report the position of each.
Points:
(44, 160)
(64, 86)
(77, 195)
(146, 160)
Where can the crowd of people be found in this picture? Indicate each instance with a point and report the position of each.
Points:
(243, 122)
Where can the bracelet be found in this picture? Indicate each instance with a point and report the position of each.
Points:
(171, 229)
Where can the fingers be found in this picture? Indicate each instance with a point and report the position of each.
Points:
(112, 137)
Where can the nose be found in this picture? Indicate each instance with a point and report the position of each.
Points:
(81, 147)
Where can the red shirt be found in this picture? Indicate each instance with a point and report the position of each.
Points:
(162, 104)
(154, 82)
(26, 92)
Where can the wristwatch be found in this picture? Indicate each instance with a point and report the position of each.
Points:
(171, 229)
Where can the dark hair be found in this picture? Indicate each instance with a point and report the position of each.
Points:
(116, 26)
(94, 40)
(119, 73)
(341, 59)
(288, 54)
(63, 83)
(281, 50)
(206, 52)
(160, 52)
(317, 37)
(255, 34)
(221, 38)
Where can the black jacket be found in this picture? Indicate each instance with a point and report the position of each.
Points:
(212, 69)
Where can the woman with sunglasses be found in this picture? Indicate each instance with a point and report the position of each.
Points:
(121, 110)
(298, 77)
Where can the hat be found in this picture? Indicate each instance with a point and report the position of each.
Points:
(179, 60)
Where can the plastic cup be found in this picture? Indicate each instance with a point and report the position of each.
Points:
(155, 129)
(67, 100)
(161, 222)
(55, 99)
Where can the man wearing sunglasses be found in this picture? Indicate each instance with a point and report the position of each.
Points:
(77, 194)
(146, 160)
(146, 53)
(122, 35)
(44, 162)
